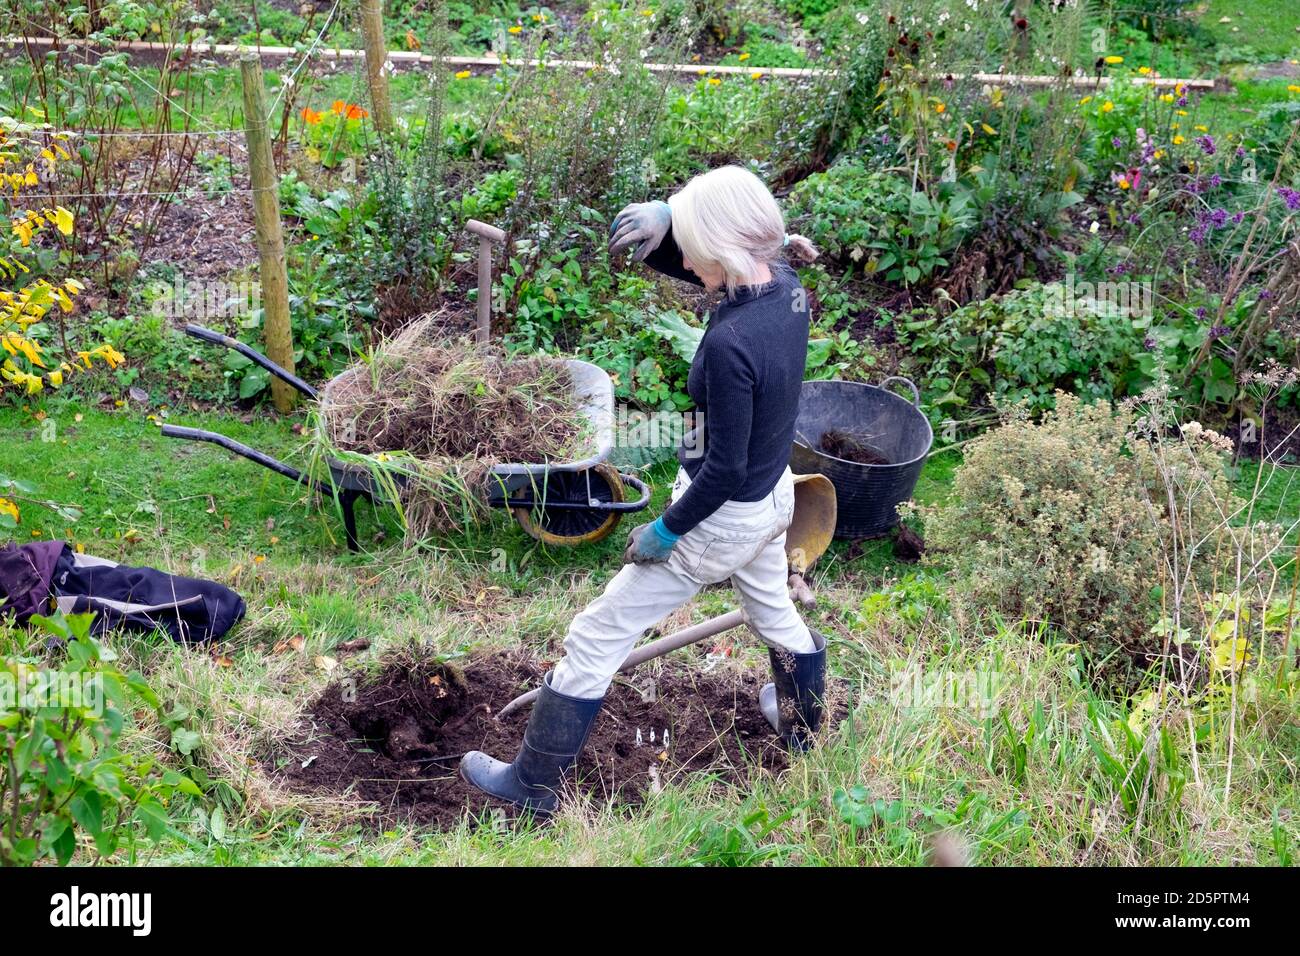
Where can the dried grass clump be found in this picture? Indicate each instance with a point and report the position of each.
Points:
(431, 418)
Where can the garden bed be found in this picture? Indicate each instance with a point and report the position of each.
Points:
(397, 742)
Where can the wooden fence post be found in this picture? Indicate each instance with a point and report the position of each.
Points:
(277, 333)
(372, 30)
(486, 236)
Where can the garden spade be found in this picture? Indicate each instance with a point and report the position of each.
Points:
(806, 539)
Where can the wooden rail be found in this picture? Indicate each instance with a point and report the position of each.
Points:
(416, 58)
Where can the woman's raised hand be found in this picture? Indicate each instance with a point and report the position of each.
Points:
(642, 223)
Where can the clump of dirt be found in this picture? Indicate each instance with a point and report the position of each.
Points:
(909, 546)
(851, 446)
(397, 741)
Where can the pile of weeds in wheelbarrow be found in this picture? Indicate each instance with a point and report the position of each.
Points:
(430, 418)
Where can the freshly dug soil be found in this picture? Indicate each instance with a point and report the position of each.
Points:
(397, 742)
(851, 446)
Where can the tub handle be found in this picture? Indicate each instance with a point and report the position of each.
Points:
(916, 392)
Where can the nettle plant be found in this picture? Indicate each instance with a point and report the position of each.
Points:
(65, 781)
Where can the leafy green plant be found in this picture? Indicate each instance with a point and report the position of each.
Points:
(1023, 347)
(64, 781)
(860, 215)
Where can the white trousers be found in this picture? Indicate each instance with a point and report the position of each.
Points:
(742, 540)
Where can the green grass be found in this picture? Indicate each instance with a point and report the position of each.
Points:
(1271, 27)
(1007, 794)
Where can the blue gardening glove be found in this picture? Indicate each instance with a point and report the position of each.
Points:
(643, 223)
(649, 543)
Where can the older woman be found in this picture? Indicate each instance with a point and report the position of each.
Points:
(733, 497)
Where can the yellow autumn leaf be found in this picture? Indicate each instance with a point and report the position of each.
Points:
(8, 507)
(63, 219)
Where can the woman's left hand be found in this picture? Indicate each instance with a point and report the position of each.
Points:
(649, 543)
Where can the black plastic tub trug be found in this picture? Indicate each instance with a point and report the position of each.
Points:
(867, 496)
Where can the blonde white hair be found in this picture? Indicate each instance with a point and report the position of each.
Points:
(729, 219)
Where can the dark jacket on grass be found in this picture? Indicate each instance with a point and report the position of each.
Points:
(42, 575)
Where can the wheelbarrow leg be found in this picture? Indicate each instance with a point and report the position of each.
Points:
(347, 501)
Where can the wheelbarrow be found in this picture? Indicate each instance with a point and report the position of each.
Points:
(560, 503)
(808, 536)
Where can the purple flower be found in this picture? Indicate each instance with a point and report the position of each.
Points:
(1241, 152)
(1207, 144)
(1201, 313)
(1216, 181)
(1237, 217)
(1149, 344)
(1218, 332)
(1118, 269)
(1116, 142)
(1182, 101)
(1265, 295)
(1290, 196)
(1218, 218)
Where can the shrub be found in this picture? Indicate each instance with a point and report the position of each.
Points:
(61, 768)
(1073, 521)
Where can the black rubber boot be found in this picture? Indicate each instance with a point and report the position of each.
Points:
(793, 703)
(556, 733)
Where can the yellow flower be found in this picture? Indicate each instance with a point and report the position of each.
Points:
(462, 75)
(1202, 129)
(1085, 101)
(516, 29)
(1181, 112)
(939, 107)
(1178, 141)
(1107, 106)
(756, 75)
(1292, 88)
(1159, 154)
(714, 81)
(743, 57)
(1144, 70)
(702, 71)
(1114, 60)
(1123, 182)
(1166, 97)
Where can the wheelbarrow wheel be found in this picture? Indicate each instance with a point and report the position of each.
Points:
(567, 527)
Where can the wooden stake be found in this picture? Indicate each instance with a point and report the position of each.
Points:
(486, 236)
(277, 334)
(372, 30)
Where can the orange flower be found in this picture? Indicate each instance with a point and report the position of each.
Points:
(356, 112)
(338, 107)
(310, 116)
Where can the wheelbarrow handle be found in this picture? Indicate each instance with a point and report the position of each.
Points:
(916, 392)
(252, 454)
(252, 354)
(642, 489)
